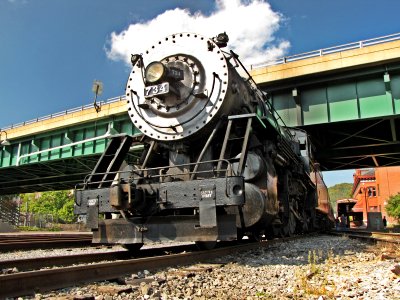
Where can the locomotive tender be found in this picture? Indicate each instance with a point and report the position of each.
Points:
(216, 163)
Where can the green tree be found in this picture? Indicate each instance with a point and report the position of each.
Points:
(66, 213)
(393, 206)
(339, 191)
(58, 203)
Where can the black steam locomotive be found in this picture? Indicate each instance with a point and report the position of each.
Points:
(216, 163)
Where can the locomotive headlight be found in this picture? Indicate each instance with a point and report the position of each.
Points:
(154, 72)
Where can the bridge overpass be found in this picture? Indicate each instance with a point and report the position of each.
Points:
(347, 98)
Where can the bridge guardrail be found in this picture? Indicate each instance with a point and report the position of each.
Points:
(65, 112)
(330, 50)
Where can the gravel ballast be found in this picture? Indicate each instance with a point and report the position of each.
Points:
(320, 267)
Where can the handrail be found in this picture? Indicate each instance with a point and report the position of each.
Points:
(329, 50)
(65, 112)
(229, 171)
(105, 136)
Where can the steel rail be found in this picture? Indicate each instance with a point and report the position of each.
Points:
(28, 283)
(37, 263)
(44, 244)
(373, 236)
(40, 235)
(18, 242)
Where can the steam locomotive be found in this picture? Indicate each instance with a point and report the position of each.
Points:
(217, 162)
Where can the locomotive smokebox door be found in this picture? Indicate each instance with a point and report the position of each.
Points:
(207, 206)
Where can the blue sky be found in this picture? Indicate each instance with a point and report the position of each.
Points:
(51, 51)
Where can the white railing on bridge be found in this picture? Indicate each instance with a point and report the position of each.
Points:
(65, 112)
(330, 50)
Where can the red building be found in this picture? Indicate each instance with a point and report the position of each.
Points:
(372, 189)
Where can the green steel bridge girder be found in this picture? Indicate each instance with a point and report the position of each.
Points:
(373, 93)
(352, 117)
(76, 141)
(58, 159)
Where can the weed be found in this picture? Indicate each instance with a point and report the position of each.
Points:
(313, 259)
(264, 295)
(28, 228)
(315, 280)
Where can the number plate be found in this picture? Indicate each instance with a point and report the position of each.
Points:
(158, 89)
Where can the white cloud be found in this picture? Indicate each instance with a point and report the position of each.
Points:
(250, 25)
(18, 1)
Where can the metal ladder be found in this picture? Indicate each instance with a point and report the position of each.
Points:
(110, 162)
(244, 138)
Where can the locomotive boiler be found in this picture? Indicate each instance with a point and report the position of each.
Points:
(217, 161)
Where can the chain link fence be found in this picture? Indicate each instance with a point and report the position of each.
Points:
(28, 219)
(10, 211)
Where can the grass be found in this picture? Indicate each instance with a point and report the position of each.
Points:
(392, 250)
(34, 228)
(264, 295)
(315, 280)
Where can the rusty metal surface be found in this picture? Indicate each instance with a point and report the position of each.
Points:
(18, 241)
(373, 236)
(37, 263)
(164, 229)
(43, 262)
(32, 236)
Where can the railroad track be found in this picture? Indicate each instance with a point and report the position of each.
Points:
(27, 283)
(373, 236)
(29, 264)
(24, 241)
